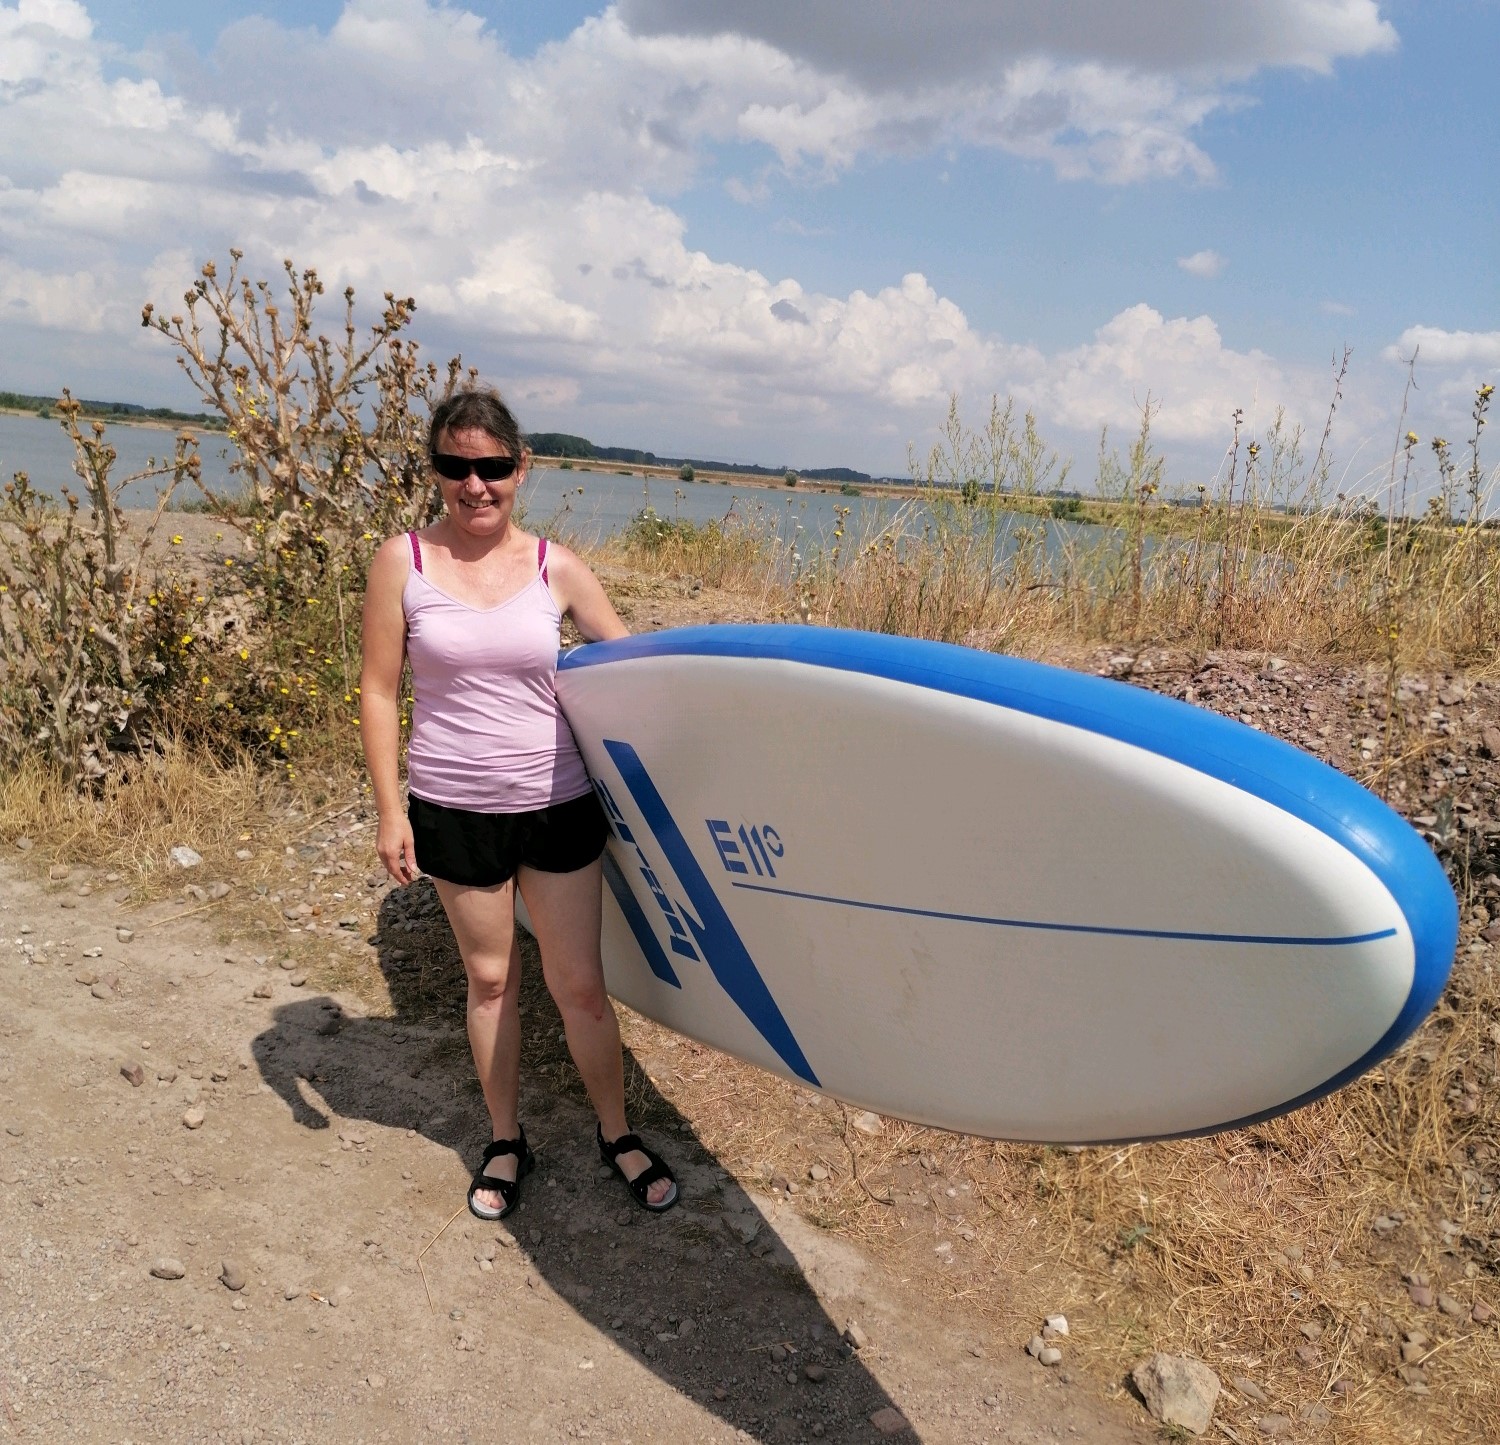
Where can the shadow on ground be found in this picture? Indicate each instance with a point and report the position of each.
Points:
(702, 1296)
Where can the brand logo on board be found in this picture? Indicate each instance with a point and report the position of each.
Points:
(698, 929)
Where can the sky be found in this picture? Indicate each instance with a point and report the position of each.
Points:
(790, 232)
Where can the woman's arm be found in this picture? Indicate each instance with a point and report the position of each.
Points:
(384, 655)
(580, 596)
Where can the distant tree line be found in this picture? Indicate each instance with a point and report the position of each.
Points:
(109, 410)
(576, 448)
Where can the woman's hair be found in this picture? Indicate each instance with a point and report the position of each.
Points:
(475, 408)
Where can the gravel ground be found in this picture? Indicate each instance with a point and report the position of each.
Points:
(175, 1108)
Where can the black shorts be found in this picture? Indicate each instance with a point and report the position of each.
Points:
(481, 850)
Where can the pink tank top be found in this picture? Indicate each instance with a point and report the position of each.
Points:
(487, 734)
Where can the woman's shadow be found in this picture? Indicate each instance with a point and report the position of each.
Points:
(705, 1296)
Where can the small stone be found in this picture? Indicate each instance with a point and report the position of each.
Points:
(1421, 1295)
(167, 1074)
(24, 845)
(867, 1122)
(1050, 1355)
(88, 977)
(1451, 1306)
(1481, 1314)
(1412, 1352)
(816, 1373)
(58, 872)
(1312, 1330)
(1250, 1390)
(1058, 1324)
(134, 1073)
(890, 1421)
(124, 935)
(244, 855)
(778, 1354)
(232, 1275)
(375, 1382)
(1274, 1426)
(184, 857)
(193, 1118)
(167, 1268)
(261, 990)
(1342, 1386)
(1315, 1414)
(102, 990)
(292, 1291)
(1307, 1353)
(1034, 1346)
(297, 980)
(855, 1335)
(288, 964)
(1178, 1390)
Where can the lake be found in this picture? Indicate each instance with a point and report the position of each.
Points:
(584, 505)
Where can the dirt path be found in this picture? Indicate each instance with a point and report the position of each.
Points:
(332, 1147)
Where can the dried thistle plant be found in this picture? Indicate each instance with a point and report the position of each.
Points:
(329, 434)
(92, 638)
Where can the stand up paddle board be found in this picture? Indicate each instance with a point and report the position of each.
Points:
(990, 895)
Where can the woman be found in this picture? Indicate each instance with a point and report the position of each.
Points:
(498, 796)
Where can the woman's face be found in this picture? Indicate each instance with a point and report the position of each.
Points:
(477, 506)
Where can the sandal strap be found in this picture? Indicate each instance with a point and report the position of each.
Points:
(623, 1145)
(498, 1147)
(507, 1189)
(648, 1176)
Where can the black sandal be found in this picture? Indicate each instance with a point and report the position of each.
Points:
(508, 1189)
(638, 1186)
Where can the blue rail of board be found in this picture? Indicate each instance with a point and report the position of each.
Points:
(1265, 767)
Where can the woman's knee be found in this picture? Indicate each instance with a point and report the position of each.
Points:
(491, 978)
(582, 993)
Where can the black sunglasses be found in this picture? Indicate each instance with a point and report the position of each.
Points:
(487, 469)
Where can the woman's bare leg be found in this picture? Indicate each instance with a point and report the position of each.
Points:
(565, 911)
(483, 922)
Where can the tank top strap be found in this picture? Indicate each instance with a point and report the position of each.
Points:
(416, 550)
(541, 559)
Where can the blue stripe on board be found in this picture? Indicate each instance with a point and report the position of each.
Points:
(1044, 927)
(722, 948)
(645, 936)
(1262, 766)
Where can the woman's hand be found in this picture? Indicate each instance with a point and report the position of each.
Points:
(397, 849)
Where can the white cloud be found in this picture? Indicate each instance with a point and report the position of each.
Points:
(1435, 347)
(1183, 366)
(523, 205)
(891, 46)
(1206, 264)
